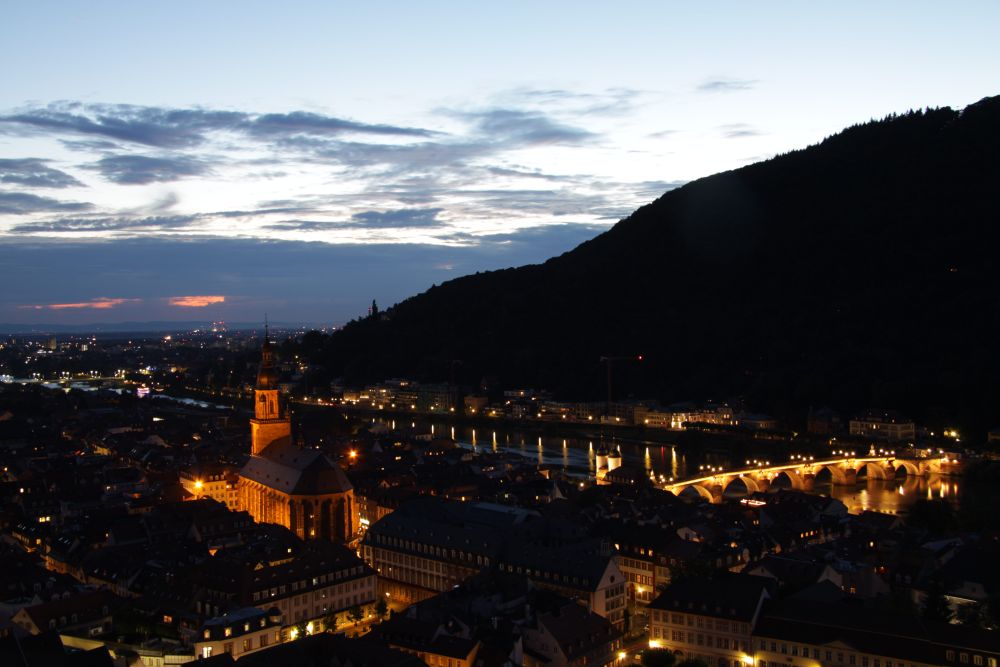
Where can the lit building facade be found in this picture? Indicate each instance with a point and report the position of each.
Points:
(709, 620)
(884, 426)
(219, 483)
(429, 546)
(296, 487)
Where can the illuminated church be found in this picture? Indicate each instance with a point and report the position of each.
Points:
(282, 483)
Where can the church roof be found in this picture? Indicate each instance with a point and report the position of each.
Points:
(296, 471)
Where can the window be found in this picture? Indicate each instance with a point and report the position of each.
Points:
(963, 658)
(977, 660)
(228, 647)
(247, 644)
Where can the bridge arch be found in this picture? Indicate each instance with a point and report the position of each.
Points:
(908, 467)
(872, 470)
(838, 475)
(690, 490)
(795, 480)
(733, 486)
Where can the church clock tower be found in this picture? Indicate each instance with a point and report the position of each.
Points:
(271, 422)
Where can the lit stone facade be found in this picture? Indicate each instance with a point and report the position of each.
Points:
(296, 487)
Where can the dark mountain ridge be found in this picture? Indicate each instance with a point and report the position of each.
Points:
(858, 272)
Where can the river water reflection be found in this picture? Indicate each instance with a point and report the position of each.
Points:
(577, 456)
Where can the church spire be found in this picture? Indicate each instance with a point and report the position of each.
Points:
(270, 422)
(267, 376)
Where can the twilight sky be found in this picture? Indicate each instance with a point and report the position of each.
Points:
(216, 160)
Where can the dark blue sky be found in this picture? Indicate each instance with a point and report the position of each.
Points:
(302, 158)
(312, 282)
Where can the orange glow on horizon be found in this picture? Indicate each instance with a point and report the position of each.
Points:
(196, 301)
(100, 303)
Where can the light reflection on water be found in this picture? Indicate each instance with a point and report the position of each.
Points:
(892, 496)
(577, 456)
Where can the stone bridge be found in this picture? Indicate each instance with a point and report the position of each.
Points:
(801, 475)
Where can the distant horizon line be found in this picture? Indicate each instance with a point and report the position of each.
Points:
(149, 326)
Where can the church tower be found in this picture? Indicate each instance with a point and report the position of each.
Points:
(271, 422)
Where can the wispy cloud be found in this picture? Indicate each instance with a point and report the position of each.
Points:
(34, 172)
(23, 203)
(100, 303)
(142, 169)
(195, 301)
(303, 122)
(164, 127)
(611, 101)
(726, 85)
(348, 180)
(516, 127)
(739, 131)
(106, 224)
(405, 217)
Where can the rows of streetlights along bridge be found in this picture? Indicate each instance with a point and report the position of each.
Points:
(762, 463)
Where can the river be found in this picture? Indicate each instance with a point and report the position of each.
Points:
(577, 456)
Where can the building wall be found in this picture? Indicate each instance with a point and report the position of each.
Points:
(316, 602)
(641, 577)
(698, 636)
(409, 578)
(437, 660)
(264, 432)
(221, 488)
(240, 645)
(332, 516)
(775, 652)
(883, 430)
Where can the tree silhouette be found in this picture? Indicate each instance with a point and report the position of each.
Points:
(935, 606)
(692, 662)
(331, 621)
(355, 613)
(658, 657)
